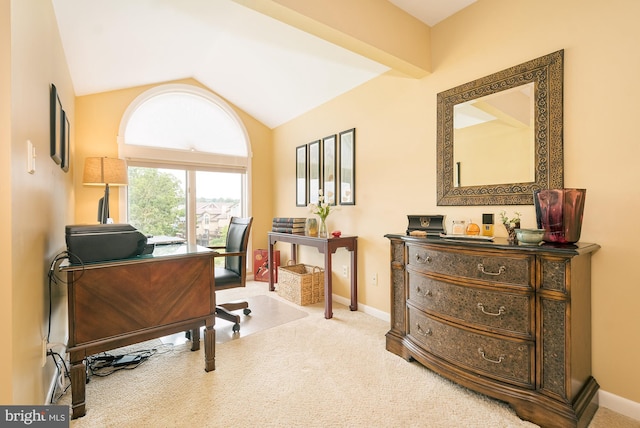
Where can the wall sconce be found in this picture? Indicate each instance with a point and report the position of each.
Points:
(104, 172)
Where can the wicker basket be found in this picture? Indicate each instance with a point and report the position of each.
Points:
(301, 284)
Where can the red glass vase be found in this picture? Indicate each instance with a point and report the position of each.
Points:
(559, 213)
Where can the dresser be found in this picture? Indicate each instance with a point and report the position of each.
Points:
(512, 322)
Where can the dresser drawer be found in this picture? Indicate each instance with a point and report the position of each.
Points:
(506, 360)
(514, 269)
(499, 310)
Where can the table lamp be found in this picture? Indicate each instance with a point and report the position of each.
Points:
(104, 171)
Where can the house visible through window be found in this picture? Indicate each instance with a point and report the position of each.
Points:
(187, 154)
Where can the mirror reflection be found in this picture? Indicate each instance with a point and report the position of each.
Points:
(500, 136)
(487, 133)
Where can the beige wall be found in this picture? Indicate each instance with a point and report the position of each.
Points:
(6, 358)
(39, 203)
(395, 121)
(394, 117)
(98, 124)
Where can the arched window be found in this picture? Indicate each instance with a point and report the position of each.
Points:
(188, 156)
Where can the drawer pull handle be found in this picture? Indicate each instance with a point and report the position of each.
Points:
(419, 259)
(501, 310)
(426, 332)
(498, 361)
(501, 270)
(426, 293)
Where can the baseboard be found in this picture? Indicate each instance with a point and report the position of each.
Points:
(52, 386)
(377, 313)
(619, 404)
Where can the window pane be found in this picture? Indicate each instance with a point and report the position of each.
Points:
(218, 198)
(185, 121)
(157, 204)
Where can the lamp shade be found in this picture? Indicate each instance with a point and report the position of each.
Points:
(101, 171)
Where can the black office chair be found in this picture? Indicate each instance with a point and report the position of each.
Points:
(234, 272)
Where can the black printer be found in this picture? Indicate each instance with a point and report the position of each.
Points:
(100, 242)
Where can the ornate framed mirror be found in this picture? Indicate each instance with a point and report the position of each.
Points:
(499, 138)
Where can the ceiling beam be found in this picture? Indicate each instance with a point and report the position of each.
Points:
(375, 29)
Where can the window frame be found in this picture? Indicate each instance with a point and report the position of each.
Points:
(191, 161)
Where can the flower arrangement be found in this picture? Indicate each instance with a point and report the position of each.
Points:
(515, 220)
(511, 224)
(322, 209)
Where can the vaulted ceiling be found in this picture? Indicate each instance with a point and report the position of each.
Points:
(273, 71)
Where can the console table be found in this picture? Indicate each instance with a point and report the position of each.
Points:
(326, 246)
(122, 302)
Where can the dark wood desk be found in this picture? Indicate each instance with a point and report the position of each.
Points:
(326, 246)
(122, 302)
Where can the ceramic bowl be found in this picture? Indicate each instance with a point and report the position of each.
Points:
(529, 236)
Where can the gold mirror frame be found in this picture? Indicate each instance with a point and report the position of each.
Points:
(547, 75)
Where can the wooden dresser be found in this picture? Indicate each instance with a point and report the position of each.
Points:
(512, 322)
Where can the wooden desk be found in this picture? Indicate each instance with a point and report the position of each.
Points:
(122, 302)
(326, 246)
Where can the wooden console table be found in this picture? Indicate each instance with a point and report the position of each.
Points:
(326, 246)
(122, 302)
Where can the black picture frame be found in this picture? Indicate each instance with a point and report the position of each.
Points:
(56, 125)
(66, 136)
(315, 170)
(329, 169)
(347, 167)
(301, 176)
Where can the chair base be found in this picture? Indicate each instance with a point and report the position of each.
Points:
(224, 310)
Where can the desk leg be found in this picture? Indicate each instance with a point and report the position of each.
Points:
(195, 339)
(354, 277)
(328, 288)
(209, 346)
(78, 384)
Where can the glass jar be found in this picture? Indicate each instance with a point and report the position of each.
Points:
(459, 227)
(311, 227)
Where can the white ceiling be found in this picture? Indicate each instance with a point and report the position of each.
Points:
(270, 70)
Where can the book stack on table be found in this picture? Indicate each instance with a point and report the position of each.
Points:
(289, 225)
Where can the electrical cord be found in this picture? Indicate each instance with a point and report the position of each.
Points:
(62, 375)
(54, 279)
(104, 364)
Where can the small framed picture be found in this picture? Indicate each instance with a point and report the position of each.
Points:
(348, 167)
(329, 169)
(56, 124)
(66, 136)
(314, 171)
(301, 176)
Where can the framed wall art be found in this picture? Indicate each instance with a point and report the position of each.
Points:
(348, 167)
(301, 176)
(56, 123)
(329, 169)
(66, 136)
(315, 175)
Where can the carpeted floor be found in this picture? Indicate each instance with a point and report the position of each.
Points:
(305, 372)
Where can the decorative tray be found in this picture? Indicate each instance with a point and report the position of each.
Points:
(467, 237)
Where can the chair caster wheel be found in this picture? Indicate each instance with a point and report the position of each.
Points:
(246, 311)
(236, 328)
